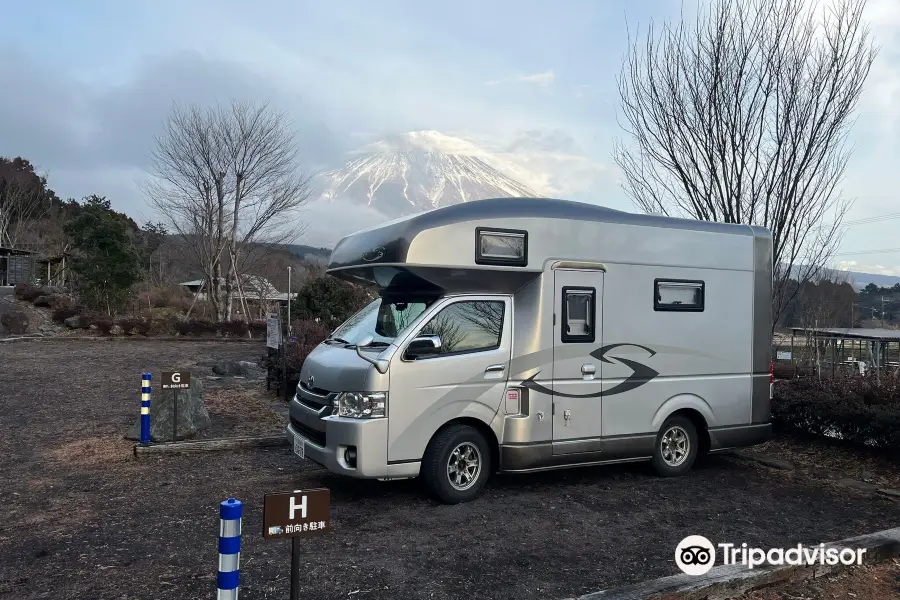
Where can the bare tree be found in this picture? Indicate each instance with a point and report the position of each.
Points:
(743, 118)
(444, 326)
(21, 204)
(227, 179)
(485, 317)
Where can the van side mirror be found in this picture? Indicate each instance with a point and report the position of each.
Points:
(425, 345)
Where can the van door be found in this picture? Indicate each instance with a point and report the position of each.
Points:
(465, 377)
(577, 376)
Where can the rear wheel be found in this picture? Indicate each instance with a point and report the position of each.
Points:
(676, 447)
(456, 464)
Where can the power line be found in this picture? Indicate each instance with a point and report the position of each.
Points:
(867, 220)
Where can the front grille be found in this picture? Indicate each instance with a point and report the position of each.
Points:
(318, 437)
(314, 390)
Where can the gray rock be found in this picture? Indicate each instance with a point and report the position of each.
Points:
(889, 492)
(867, 476)
(238, 368)
(77, 322)
(14, 321)
(192, 414)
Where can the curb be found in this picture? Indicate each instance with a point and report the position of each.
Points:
(732, 581)
(242, 443)
(135, 338)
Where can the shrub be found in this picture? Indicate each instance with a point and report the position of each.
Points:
(329, 299)
(64, 312)
(861, 411)
(307, 335)
(104, 324)
(196, 327)
(28, 293)
(258, 328)
(234, 328)
(134, 325)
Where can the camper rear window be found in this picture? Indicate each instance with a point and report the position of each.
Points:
(578, 314)
(679, 295)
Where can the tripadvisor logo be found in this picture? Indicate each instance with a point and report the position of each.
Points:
(696, 555)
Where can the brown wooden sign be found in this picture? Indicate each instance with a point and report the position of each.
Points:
(297, 513)
(176, 380)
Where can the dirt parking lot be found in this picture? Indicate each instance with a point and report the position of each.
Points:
(84, 519)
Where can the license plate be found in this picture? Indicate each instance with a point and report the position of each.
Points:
(299, 446)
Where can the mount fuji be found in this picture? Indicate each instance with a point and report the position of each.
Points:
(421, 170)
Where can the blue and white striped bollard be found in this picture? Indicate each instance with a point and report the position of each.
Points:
(145, 408)
(229, 549)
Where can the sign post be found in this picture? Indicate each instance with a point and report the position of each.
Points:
(294, 515)
(175, 380)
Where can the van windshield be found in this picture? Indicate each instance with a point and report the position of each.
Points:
(384, 319)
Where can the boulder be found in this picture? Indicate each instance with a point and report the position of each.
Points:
(238, 368)
(77, 322)
(15, 321)
(45, 301)
(192, 414)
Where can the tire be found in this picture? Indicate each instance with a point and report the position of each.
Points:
(676, 431)
(452, 444)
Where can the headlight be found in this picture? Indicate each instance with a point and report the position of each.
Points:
(360, 405)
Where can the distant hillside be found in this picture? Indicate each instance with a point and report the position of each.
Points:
(861, 280)
(308, 252)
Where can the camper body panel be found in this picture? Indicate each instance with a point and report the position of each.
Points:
(712, 363)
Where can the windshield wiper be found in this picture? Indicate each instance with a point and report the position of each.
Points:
(338, 340)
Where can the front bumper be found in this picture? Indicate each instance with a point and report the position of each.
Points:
(327, 438)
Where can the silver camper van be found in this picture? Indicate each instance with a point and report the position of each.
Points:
(523, 334)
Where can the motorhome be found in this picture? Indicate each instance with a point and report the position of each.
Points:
(522, 334)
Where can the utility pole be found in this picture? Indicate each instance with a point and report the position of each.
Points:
(882, 312)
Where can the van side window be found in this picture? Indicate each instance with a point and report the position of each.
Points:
(470, 326)
(579, 314)
(683, 295)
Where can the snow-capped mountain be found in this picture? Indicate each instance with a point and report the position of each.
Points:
(421, 170)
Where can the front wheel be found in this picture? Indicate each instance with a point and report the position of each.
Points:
(676, 447)
(456, 465)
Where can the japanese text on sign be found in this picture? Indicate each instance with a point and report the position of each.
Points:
(297, 513)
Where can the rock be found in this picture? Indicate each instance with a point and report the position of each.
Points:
(240, 368)
(45, 301)
(77, 322)
(15, 321)
(116, 330)
(889, 492)
(192, 414)
(867, 476)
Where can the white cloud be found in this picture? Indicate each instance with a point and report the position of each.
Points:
(545, 79)
(852, 265)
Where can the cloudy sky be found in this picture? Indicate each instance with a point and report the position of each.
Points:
(87, 84)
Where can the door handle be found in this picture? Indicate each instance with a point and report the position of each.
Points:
(588, 369)
(495, 369)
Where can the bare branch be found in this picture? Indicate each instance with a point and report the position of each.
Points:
(743, 118)
(228, 182)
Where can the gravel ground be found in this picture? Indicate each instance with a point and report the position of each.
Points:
(84, 519)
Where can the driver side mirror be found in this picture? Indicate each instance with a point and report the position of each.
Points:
(425, 345)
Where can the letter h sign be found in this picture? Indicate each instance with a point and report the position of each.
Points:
(294, 506)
